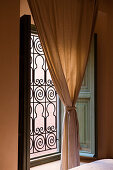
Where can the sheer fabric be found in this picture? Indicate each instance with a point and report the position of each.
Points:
(65, 29)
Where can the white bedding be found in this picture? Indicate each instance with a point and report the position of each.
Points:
(104, 164)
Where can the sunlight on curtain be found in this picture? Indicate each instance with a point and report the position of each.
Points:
(65, 29)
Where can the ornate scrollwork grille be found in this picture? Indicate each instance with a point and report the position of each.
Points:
(44, 137)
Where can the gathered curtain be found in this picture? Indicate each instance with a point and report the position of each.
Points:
(65, 29)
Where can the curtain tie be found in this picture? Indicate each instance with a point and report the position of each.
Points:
(69, 108)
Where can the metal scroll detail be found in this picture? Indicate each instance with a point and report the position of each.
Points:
(43, 110)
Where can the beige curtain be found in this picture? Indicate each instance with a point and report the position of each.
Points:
(65, 29)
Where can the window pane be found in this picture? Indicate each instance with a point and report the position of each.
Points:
(44, 133)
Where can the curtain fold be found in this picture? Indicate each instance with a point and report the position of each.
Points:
(65, 30)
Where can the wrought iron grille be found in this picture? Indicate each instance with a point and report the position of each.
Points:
(44, 135)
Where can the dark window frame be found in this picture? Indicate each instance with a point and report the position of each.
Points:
(24, 94)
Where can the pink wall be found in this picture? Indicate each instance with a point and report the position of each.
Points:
(9, 79)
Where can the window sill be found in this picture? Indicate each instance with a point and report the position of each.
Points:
(45, 160)
(87, 157)
(84, 158)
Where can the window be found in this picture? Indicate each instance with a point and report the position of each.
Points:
(45, 108)
(45, 101)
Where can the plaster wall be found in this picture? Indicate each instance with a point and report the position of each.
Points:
(9, 83)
